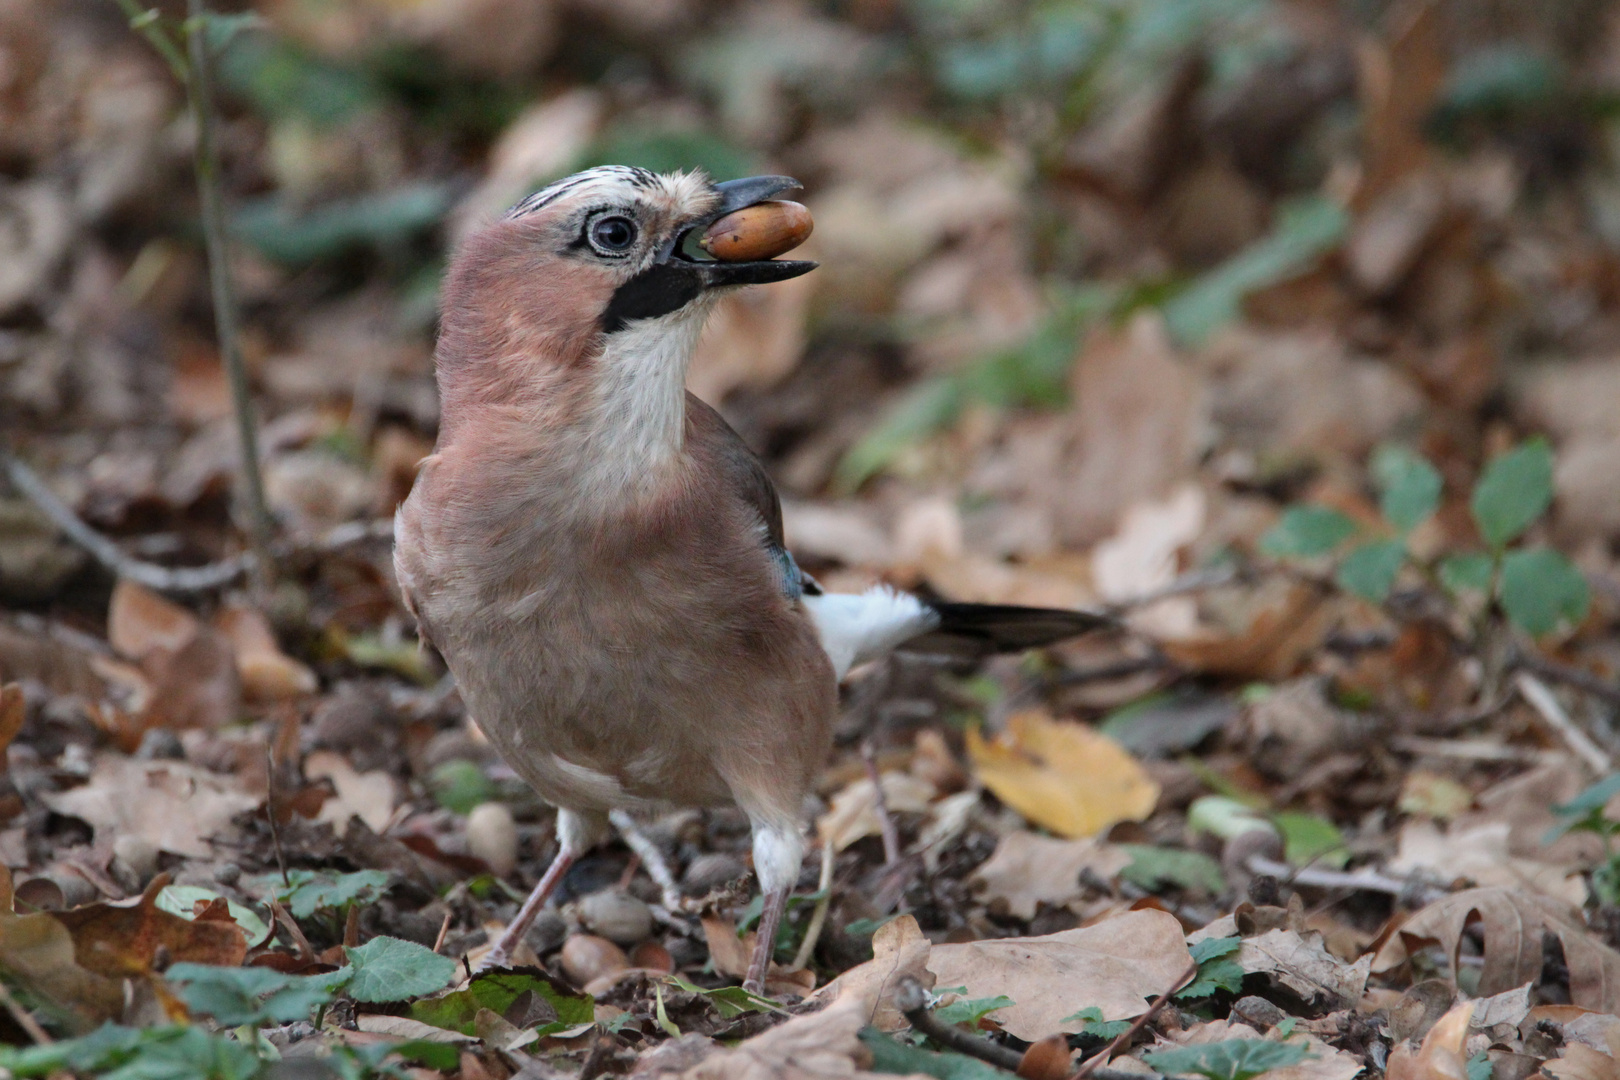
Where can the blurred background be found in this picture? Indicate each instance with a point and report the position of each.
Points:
(1106, 286)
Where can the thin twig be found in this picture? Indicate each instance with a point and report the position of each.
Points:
(306, 952)
(912, 1001)
(444, 930)
(1192, 581)
(652, 857)
(1541, 699)
(1473, 750)
(880, 805)
(199, 93)
(1094, 1063)
(270, 814)
(25, 1020)
(1568, 675)
(1317, 877)
(812, 933)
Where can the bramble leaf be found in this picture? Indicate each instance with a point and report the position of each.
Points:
(1369, 570)
(1409, 487)
(1307, 530)
(1515, 489)
(1540, 588)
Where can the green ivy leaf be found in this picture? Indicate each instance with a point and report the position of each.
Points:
(1369, 570)
(1308, 838)
(1307, 530)
(249, 995)
(308, 891)
(1153, 868)
(1409, 487)
(170, 1052)
(729, 1001)
(1514, 491)
(1229, 1059)
(1096, 1026)
(891, 1056)
(970, 1011)
(1216, 969)
(391, 969)
(1540, 587)
(496, 991)
(1467, 572)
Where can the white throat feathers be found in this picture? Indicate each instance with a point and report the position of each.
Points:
(637, 422)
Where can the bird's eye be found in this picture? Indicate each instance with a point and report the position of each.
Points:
(612, 235)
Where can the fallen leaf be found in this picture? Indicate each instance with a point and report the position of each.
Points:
(38, 951)
(1442, 1055)
(1322, 1062)
(1259, 632)
(1301, 963)
(1579, 1062)
(121, 939)
(1513, 923)
(140, 622)
(1508, 1007)
(370, 796)
(1028, 870)
(1480, 855)
(13, 710)
(1063, 776)
(267, 673)
(1143, 555)
(819, 1044)
(853, 814)
(899, 950)
(175, 806)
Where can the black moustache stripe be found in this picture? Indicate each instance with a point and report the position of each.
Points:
(658, 290)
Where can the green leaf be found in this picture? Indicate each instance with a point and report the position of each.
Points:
(496, 991)
(1229, 1059)
(1479, 1067)
(391, 969)
(729, 1001)
(1369, 570)
(309, 891)
(1306, 228)
(1541, 588)
(891, 1056)
(1153, 868)
(442, 1056)
(249, 995)
(1096, 1026)
(1216, 969)
(1589, 799)
(460, 785)
(1467, 572)
(1307, 530)
(970, 1011)
(288, 234)
(1515, 489)
(170, 1052)
(1409, 487)
(1308, 838)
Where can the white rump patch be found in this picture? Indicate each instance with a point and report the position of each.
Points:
(856, 627)
(778, 854)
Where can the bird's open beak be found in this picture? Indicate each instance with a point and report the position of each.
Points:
(736, 195)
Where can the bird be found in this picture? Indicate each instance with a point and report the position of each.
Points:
(599, 558)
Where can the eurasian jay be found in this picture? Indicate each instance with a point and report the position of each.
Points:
(599, 557)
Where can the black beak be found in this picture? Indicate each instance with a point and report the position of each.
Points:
(736, 195)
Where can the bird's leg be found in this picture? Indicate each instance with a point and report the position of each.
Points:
(501, 955)
(778, 853)
(765, 943)
(577, 833)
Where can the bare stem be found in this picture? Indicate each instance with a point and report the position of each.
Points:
(199, 93)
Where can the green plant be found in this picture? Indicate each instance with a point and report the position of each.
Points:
(1537, 588)
(1586, 812)
(1229, 1059)
(1217, 969)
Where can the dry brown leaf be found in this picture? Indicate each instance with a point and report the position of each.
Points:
(13, 710)
(899, 950)
(819, 1045)
(1508, 1007)
(1063, 776)
(1301, 963)
(853, 814)
(170, 804)
(370, 796)
(731, 954)
(1144, 555)
(1599, 1030)
(38, 950)
(1441, 1057)
(1027, 870)
(140, 622)
(121, 939)
(1513, 923)
(1262, 633)
(1116, 965)
(1480, 855)
(1579, 1062)
(267, 673)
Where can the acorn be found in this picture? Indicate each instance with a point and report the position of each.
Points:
(762, 231)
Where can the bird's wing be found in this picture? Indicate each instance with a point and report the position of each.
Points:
(749, 483)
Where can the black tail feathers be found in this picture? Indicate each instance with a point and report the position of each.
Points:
(980, 629)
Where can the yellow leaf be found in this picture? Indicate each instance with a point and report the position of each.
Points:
(1061, 775)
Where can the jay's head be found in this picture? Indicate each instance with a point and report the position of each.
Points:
(596, 265)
